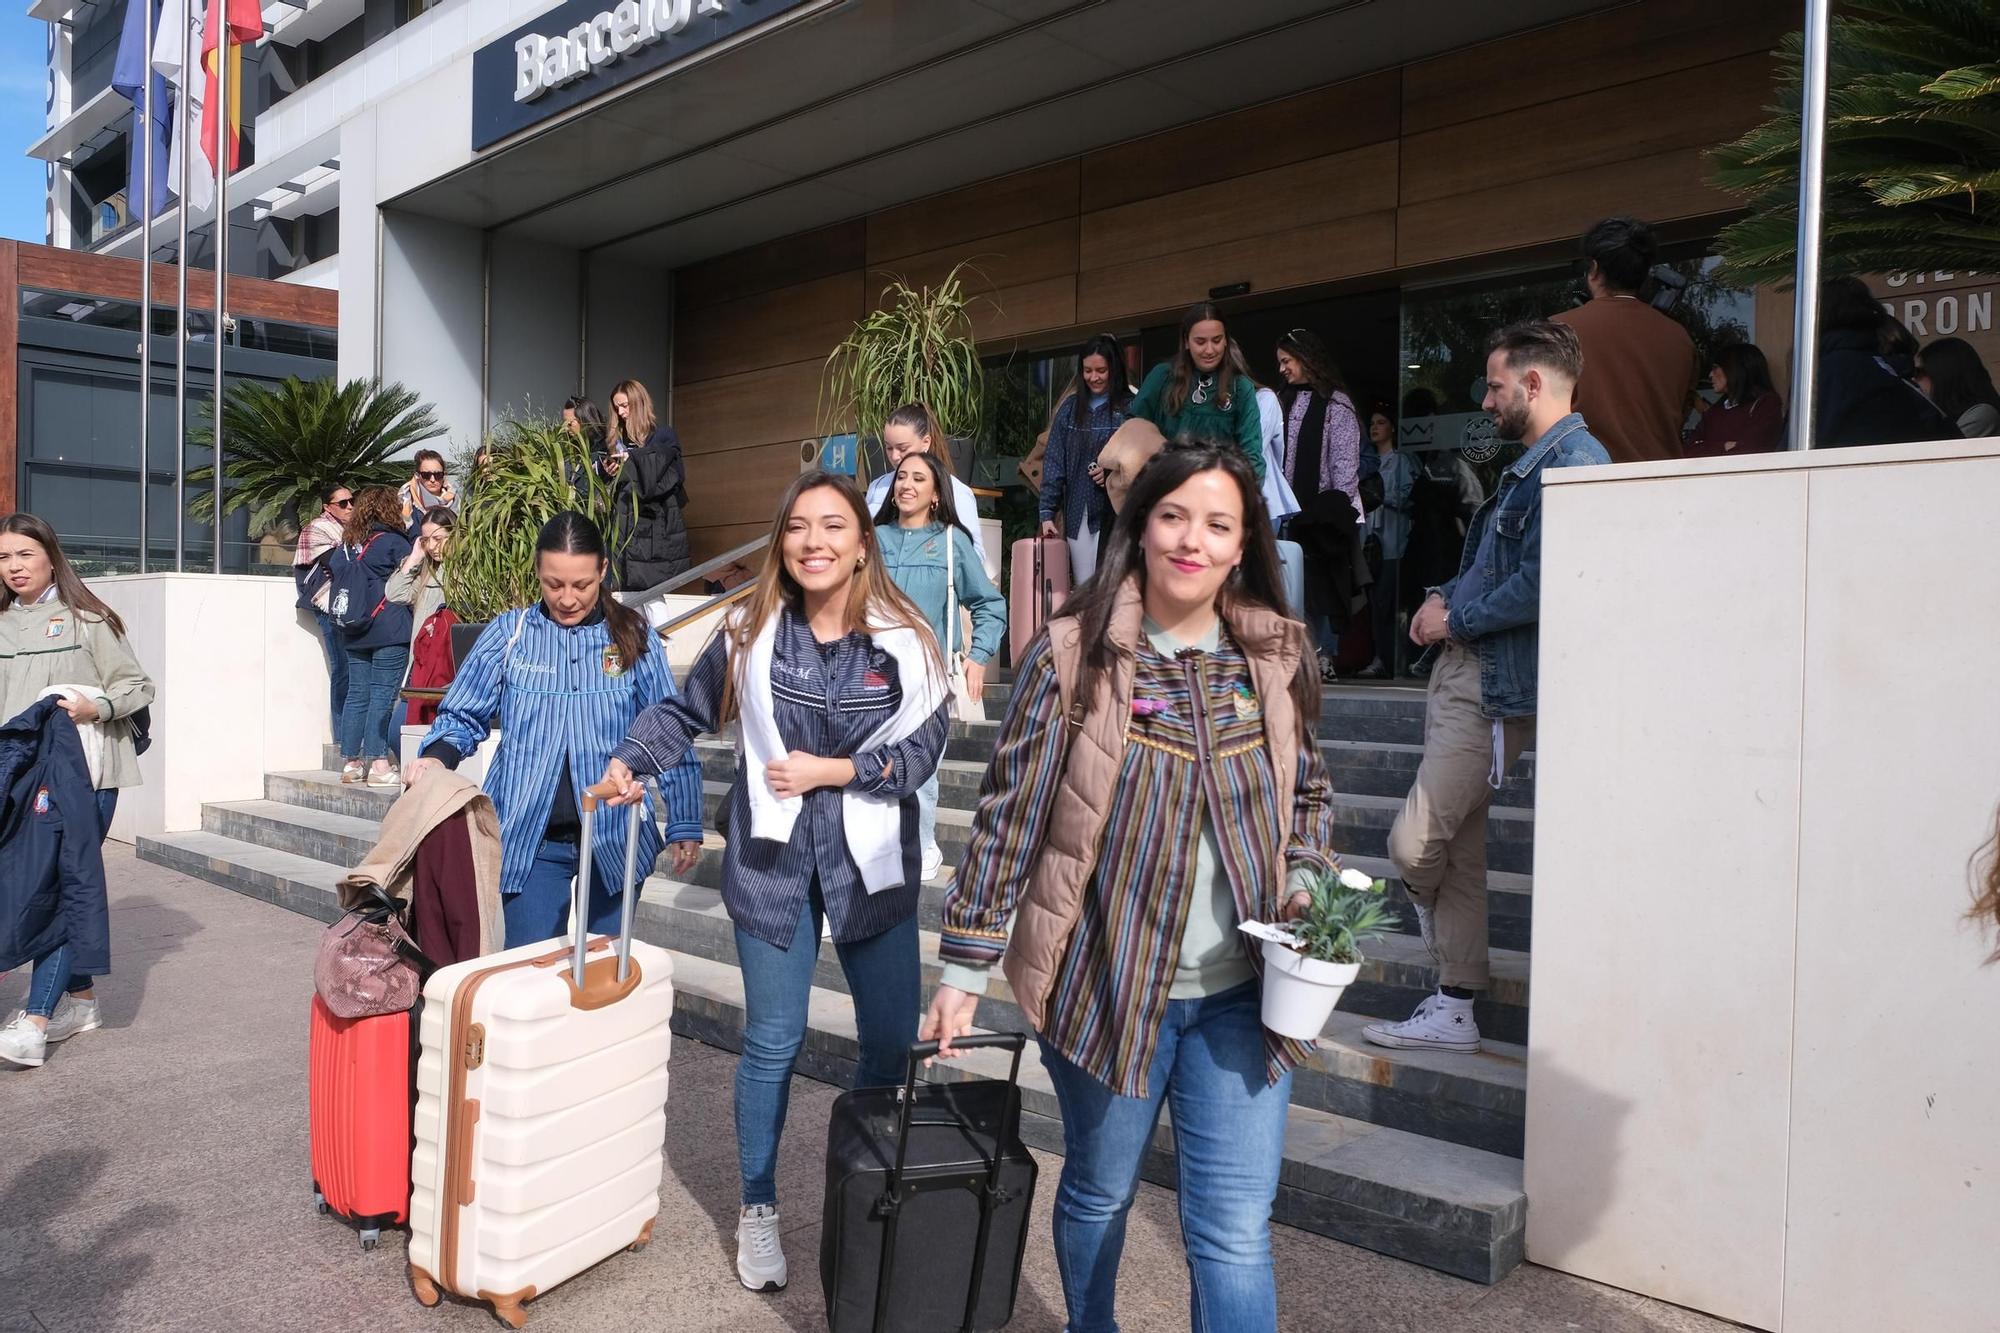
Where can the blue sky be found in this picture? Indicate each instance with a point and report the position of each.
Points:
(23, 95)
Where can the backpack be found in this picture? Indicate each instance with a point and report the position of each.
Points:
(309, 579)
(358, 591)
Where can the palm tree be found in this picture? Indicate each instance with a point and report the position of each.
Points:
(282, 443)
(1912, 142)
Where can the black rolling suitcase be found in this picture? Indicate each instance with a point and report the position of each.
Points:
(928, 1190)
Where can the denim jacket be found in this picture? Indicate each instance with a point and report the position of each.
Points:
(1502, 623)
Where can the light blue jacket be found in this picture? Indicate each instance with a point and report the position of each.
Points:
(915, 559)
(1502, 622)
(557, 703)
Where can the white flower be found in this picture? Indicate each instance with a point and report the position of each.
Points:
(1356, 880)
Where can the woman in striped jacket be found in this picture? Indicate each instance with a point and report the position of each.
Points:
(1154, 784)
(565, 677)
(836, 679)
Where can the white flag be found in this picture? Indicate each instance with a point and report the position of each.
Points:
(177, 56)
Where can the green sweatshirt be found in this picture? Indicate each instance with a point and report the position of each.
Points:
(1239, 422)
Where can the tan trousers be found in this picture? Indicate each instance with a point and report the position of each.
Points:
(1439, 839)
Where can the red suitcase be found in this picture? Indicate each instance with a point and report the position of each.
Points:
(359, 1113)
(1036, 589)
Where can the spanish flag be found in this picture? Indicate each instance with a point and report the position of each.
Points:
(229, 24)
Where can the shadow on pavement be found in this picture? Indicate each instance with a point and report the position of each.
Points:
(90, 1264)
(143, 930)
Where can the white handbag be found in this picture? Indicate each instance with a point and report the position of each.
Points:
(964, 705)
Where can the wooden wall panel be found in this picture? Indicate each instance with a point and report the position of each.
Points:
(785, 262)
(118, 279)
(990, 208)
(1701, 107)
(706, 543)
(758, 407)
(799, 323)
(741, 486)
(1030, 308)
(1312, 124)
(1009, 259)
(1661, 188)
(1325, 252)
(1604, 50)
(1338, 185)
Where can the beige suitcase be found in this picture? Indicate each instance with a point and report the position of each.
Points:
(541, 1109)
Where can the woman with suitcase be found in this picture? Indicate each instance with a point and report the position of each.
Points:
(1155, 782)
(56, 634)
(565, 678)
(836, 679)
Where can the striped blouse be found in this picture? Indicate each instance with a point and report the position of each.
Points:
(829, 697)
(1110, 991)
(561, 707)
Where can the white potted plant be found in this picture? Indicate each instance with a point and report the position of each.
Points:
(1311, 959)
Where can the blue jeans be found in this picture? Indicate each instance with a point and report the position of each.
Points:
(335, 642)
(1229, 1137)
(374, 675)
(51, 976)
(882, 973)
(540, 911)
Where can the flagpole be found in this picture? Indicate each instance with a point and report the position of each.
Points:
(1812, 182)
(181, 310)
(222, 55)
(146, 290)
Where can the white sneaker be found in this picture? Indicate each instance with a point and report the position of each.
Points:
(933, 861)
(1440, 1024)
(760, 1257)
(73, 1016)
(23, 1043)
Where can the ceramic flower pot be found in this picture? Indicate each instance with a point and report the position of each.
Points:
(1300, 992)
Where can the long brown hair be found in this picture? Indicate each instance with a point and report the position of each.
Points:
(372, 505)
(874, 599)
(1986, 888)
(572, 533)
(1181, 384)
(641, 417)
(62, 574)
(1322, 375)
(1255, 582)
(943, 508)
(918, 417)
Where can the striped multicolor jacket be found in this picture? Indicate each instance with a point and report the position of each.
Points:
(1110, 993)
(558, 702)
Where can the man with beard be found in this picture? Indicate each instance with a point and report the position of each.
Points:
(1480, 714)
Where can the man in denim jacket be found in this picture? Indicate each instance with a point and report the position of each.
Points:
(1481, 711)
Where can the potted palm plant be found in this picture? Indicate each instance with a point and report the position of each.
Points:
(528, 471)
(284, 442)
(1310, 960)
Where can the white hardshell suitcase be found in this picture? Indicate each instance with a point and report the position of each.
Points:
(541, 1108)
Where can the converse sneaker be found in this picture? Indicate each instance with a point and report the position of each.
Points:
(1440, 1024)
(23, 1042)
(73, 1016)
(933, 861)
(760, 1257)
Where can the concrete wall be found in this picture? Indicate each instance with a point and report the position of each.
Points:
(241, 690)
(629, 329)
(432, 302)
(535, 328)
(1760, 1078)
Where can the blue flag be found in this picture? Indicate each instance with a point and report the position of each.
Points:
(131, 67)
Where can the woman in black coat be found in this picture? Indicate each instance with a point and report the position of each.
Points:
(646, 468)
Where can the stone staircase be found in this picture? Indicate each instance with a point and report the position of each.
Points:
(1414, 1154)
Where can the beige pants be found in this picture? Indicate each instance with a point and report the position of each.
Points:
(1439, 840)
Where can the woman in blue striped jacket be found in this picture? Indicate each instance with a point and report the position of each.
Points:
(566, 677)
(836, 680)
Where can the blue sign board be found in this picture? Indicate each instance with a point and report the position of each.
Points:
(586, 47)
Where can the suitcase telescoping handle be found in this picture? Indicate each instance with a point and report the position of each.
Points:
(580, 926)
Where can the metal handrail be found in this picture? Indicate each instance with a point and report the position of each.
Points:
(722, 561)
(714, 603)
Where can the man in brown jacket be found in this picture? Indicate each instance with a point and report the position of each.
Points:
(1639, 366)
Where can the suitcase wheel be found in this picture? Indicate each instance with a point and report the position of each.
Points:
(645, 1237)
(423, 1287)
(319, 1203)
(370, 1238)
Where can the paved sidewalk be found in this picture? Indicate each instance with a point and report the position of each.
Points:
(153, 1175)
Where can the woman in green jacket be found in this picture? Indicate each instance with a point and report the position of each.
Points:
(917, 527)
(1196, 394)
(56, 635)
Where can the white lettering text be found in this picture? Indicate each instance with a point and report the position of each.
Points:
(542, 63)
(529, 53)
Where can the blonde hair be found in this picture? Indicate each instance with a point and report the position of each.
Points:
(873, 601)
(642, 418)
